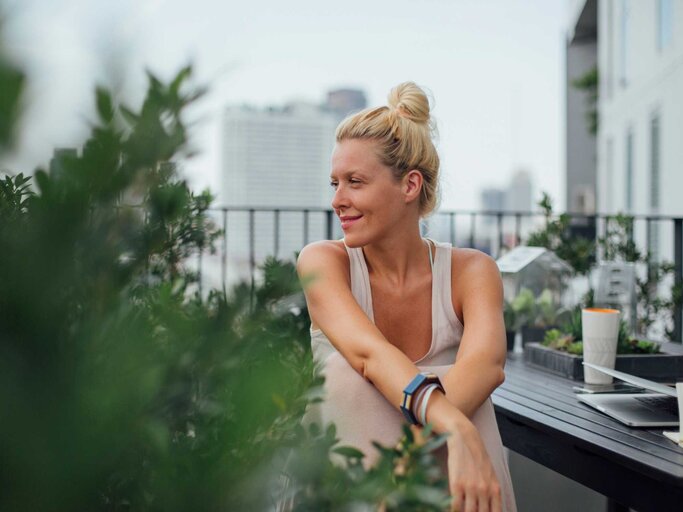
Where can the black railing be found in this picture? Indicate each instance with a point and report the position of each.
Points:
(252, 233)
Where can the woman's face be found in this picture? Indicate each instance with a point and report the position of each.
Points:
(368, 200)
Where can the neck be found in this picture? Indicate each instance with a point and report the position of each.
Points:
(398, 258)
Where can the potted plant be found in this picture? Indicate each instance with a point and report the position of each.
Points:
(524, 308)
(547, 315)
(561, 352)
(511, 327)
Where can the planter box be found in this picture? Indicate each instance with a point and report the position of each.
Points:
(664, 367)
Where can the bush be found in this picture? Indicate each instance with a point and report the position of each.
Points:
(122, 387)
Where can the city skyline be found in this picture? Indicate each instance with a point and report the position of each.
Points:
(494, 70)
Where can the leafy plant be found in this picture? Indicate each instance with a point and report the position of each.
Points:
(577, 251)
(569, 336)
(618, 245)
(509, 316)
(524, 307)
(588, 83)
(122, 387)
(548, 313)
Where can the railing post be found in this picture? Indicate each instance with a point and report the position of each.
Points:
(224, 256)
(199, 271)
(305, 227)
(451, 216)
(518, 229)
(329, 224)
(500, 233)
(678, 275)
(276, 231)
(252, 257)
(472, 222)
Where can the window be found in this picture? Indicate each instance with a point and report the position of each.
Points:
(624, 26)
(665, 20)
(629, 171)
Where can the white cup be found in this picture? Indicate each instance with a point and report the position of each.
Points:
(600, 334)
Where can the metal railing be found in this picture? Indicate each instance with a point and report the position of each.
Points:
(252, 233)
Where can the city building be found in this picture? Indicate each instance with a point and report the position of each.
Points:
(519, 194)
(275, 157)
(640, 155)
(581, 69)
(342, 102)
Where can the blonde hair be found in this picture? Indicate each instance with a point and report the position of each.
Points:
(403, 131)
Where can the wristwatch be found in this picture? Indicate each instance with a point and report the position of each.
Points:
(421, 379)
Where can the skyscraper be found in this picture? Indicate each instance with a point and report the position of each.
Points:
(342, 102)
(276, 157)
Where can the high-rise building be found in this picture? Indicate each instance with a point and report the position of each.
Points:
(519, 194)
(493, 199)
(342, 102)
(640, 155)
(581, 86)
(276, 157)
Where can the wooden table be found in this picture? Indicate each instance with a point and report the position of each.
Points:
(540, 418)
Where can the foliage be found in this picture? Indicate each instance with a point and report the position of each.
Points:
(577, 251)
(509, 316)
(618, 245)
(588, 83)
(528, 310)
(548, 313)
(558, 340)
(12, 82)
(408, 470)
(122, 387)
(523, 306)
(568, 338)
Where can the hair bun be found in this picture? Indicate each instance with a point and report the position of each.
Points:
(409, 101)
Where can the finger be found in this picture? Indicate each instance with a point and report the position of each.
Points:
(457, 502)
(497, 502)
(484, 500)
(471, 499)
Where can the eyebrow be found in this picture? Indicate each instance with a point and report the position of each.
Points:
(349, 173)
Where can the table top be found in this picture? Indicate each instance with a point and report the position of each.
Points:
(539, 417)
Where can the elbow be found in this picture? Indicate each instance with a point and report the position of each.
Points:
(500, 376)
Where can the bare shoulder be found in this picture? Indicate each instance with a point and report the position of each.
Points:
(323, 256)
(469, 264)
(474, 276)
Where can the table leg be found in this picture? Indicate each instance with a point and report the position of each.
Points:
(613, 506)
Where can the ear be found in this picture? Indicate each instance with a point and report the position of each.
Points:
(412, 185)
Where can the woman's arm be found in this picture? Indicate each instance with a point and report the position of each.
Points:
(333, 309)
(479, 366)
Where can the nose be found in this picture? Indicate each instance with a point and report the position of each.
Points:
(340, 199)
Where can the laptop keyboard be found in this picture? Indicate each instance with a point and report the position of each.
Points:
(660, 403)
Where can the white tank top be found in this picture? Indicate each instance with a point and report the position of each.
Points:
(361, 413)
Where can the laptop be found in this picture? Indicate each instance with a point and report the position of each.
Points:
(657, 409)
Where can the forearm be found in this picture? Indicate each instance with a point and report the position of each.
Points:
(470, 382)
(390, 370)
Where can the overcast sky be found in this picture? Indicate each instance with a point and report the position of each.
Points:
(494, 67)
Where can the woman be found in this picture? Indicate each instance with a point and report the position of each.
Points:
(386, 304)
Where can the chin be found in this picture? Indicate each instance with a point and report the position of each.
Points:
(354, 241)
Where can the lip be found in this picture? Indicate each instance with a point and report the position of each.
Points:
(347, 221)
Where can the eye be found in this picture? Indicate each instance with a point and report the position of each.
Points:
(333, 184)
(354, 181)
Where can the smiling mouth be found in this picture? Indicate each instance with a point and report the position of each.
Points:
(346, 222)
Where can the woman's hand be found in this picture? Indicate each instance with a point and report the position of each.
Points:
(472, 482)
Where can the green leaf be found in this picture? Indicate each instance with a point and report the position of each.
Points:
(349, 452)
(105, 107)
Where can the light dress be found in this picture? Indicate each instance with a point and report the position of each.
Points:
(360, 411)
